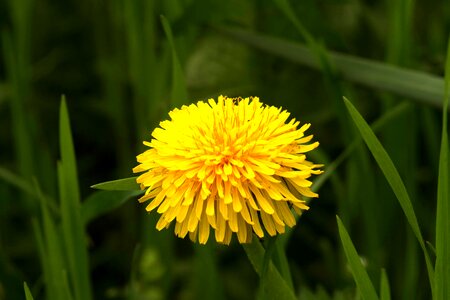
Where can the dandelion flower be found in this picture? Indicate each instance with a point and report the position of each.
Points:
(233, 165)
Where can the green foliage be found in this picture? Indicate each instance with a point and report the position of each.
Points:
(392, 176)
(28, 295)
(125, 64)
(442, 267)
(125, 184)
(360, 275)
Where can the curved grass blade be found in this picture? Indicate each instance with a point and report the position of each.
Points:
(360, 275)
(16, 180)
(28, 295)
(178, 93)
(393, 177)
(72, 223)
(442, 266)
(101, 202)
(332, 167)
(276, 287)
(415, 85)
(51, 244)
(385, 290)
(125, 184)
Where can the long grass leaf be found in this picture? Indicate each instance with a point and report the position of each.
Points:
(17, 181)
(415, 85)
(392, 176)
(276, 287)
(72, 223)
(207, 278)
(178, 94)
(102, 202)
(442, 287)
(360, 275)
(53, 251)
(28, 295)
(125, 184)
(385, 290)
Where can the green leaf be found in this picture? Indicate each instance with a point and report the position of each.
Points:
(385, 290)
(276, 287)
(51, 247)
(101, 202)
(125, 184)
(393, 177)
(16, 180)
(360, 275)
(28, 295)
(178, 93)
(72, 222)
(420, 86)
(442, 288)
(208, 284)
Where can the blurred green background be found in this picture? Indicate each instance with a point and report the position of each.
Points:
(114, 63)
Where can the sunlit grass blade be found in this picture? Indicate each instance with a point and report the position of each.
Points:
(178, 93)
(102, 202)
(125, 184)
(360, 275)
(385, 290)
(415, 85)
(276, 287)
(392, 176)
(72, 222)
(442, 279)
(28, 295)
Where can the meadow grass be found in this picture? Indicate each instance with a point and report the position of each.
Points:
(70, 224)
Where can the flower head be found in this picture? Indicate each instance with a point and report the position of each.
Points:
(234, 165)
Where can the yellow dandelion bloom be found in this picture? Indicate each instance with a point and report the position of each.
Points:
(234, 165)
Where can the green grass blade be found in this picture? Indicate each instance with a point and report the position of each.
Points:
(72, 222)
(281, 261)
(16, 180)
(385, 290)
(178, 94)
(420, 86)
(276, 287)
(207, 278)
(28, 295)
(101, 202)
(52, 249)
(442, 287)
(125, 184)
(392, 176)
(360, 275)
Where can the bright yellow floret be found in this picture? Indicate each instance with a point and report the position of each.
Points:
(234, 166)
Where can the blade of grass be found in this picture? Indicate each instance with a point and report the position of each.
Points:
(207, 278)
(360, 275)
(420, 86)
(125, 184)
(28, 295)
(102, 202)
(72, 223)
(442, 287)
(385, 290)
(392, 176)
(52, 249)
(276, 287)
(17, 181)
(332, 167)
(178, 93)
